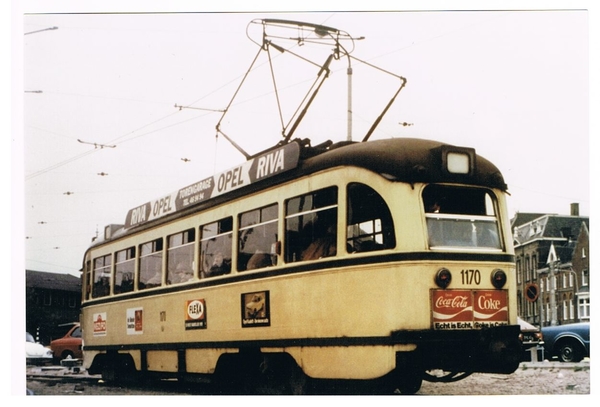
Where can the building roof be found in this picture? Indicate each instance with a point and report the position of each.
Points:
(550, 227)
(524, 217)
(52, 281)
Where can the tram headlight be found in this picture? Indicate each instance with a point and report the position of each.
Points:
(443, 278)
(498, 278)
(458, 161)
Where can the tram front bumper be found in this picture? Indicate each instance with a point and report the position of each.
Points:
(486, 350)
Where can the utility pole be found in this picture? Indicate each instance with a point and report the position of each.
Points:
(349, 71)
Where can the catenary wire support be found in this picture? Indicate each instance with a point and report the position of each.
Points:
(305, 33)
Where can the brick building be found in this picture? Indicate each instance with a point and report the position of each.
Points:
(552, 263)
(51, 299)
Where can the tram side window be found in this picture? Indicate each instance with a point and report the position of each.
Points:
(257, 246)
(151, 264)
(311, 225)
(124, 269)
(180, 257)
(88, 280)
(461, 217)
(370, 224)
(216, 247)
(101, 286)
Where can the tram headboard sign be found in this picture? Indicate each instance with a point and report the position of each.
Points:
(256, 169)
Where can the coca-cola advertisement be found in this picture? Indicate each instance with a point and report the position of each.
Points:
(490, 308)
(452, 309)
(468, 309)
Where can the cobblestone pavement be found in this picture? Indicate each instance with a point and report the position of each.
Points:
(530, 379)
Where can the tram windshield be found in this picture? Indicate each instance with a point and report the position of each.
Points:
(462, 218)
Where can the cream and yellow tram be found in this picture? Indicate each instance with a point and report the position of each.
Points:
(379, 261)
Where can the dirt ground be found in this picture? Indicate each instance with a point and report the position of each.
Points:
(530, 379)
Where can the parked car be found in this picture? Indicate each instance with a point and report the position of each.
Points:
(69, 345)
(531, 340)
(36, 353)
(568, 343)
(530, 335)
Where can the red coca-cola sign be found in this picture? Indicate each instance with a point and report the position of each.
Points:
(490, 307)
(468, 309)
(452, 309)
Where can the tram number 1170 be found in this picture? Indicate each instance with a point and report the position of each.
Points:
(470, 276)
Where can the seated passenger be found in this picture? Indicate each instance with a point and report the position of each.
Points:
(325, 243)
(259, 260)
(219, 267)
(154, 280)
(181, 274)
(324, 246)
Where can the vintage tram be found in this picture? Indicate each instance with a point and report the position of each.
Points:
(385, 262)
(377, 260)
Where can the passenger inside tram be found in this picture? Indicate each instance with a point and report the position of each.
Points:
(219, 266)
(324, 237)
(181, 274)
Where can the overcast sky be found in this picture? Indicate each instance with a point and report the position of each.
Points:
(102, 135)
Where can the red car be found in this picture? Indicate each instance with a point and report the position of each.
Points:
(68, 345)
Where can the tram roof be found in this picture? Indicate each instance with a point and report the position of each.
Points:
(408, 160)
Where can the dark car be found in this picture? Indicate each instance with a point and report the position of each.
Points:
(568, 343)
(69, 345)
(531, 341)
(530, 335)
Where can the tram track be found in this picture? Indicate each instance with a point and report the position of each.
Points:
(531, 378)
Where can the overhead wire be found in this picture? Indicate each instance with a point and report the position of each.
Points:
(123, 138)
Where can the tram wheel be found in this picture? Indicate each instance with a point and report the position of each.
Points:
(282, 375)
(407, 383)
(256, 373)
(118, 368)
(400, 382)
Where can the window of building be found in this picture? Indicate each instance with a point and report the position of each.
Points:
(584, 277)
(571, 307)
(311, 225)
(542, 316)
(47, 298)
(124, 270)
(151, 255)
(72, 301)
(215, 248)
(257, 245)
(584, 308)
(369, 222)
(180, 257)
(571, 276)
(101, 276)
